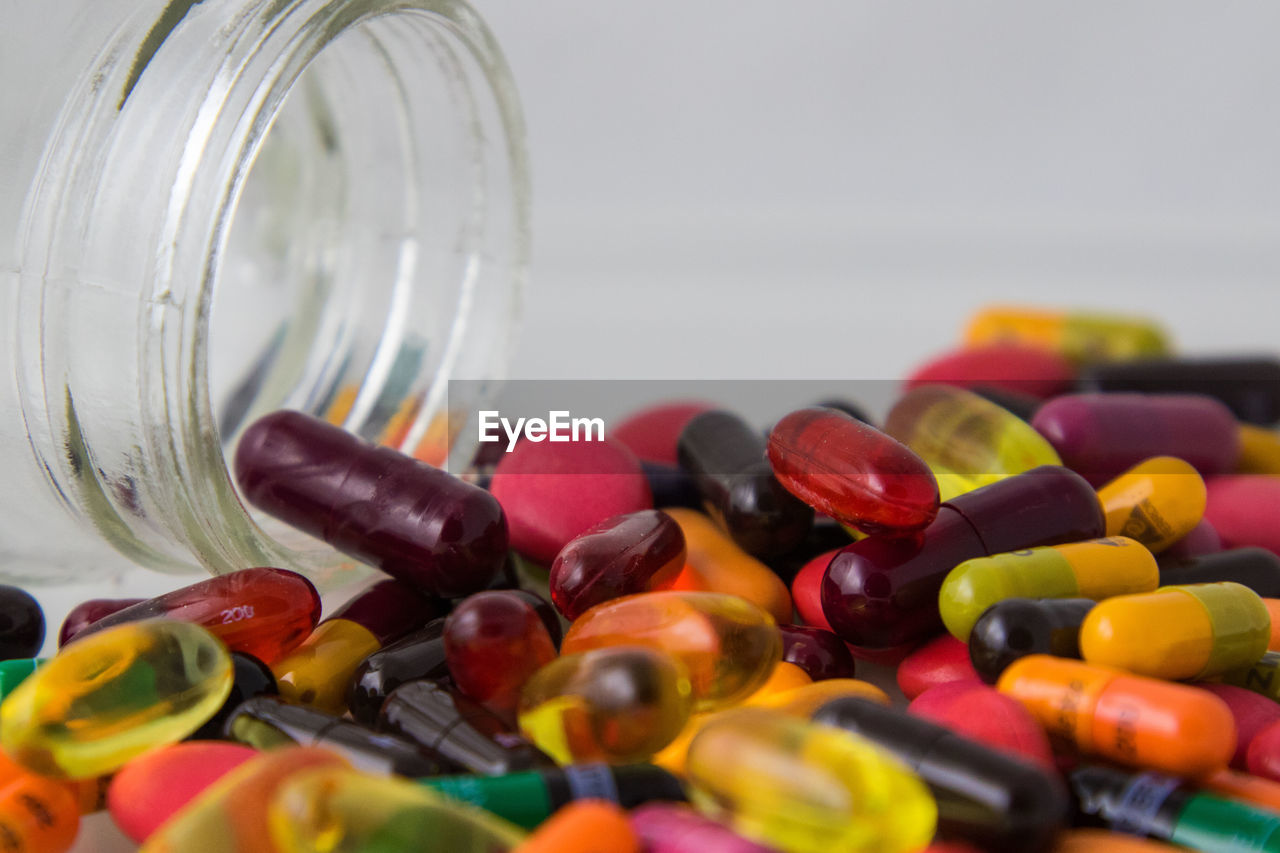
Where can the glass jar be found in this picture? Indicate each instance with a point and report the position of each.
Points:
(210, 209)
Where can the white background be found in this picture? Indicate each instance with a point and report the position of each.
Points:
(824, 188)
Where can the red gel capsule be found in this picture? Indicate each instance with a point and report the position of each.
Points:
(86, 613)
(619, 556)
(1242, 508)
(553, 492)
(1103, 435)
(941, 661)
(817, 651)
(1040, 373)
(986, 715)
(493, 642)
(653, 432)
(266, 613)
(416, 523)
(1253, 714)
(884, 592)
(1263, 755)
(853, 472)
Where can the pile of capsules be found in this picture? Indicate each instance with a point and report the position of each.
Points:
(1064, 537)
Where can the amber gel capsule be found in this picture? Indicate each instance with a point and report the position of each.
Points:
(266, 613)
(1179, 632)
(1017, 627)
(853, 472)
(966, 440)
(1156, 502)
(1097, 569)
(1101, 435)
(493, 642)
(320, 671)
(806, 788)
(1142, 722)
(619, 556)
(728, 645)
(114, 695)
(727, 459)
(883, 592)
(617, 704)
(1166, 808)
(1081, 336)
(416, 523)
(983, 795)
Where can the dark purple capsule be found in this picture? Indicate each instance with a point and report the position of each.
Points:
(623, 555)
(727, 460)
(86, 613)
(884, 592)
(817, 651)
(389, 609)
(21, 624)
(414, 522)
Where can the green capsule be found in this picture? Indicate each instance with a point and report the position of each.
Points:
(114, 695)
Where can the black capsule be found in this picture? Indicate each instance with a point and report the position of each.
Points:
(1017, 627)
(21, 624)
(849, 407)
(266, 722)
(826, 535)
(1256, 568)
(1249, 387)
(457, 731)
(418, 656)
(251, 678)
(727, 460)
(671, 486)
(986, 797)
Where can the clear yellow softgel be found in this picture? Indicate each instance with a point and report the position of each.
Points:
(114, 695)
(805, 788)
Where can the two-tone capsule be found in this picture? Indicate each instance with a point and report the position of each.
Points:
(1157, 502)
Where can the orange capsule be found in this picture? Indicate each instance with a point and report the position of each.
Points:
(1178, 632)
(717, 564)
(1246, 787)
(584, 826)
(1273, 608)
(1157, 502)
(1080, 336)
(37, 814)
(1105, 841)
(1130, 719)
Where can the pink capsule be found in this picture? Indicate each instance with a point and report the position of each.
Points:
(1242, 508)
(653, 432)
(853, 472)
(943, 660)
(987, 715)
(1253, 713)
(1010, 367)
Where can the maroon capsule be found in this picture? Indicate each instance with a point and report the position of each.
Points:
(262, 612)
(884, 592)
(853, 472)
(817, 651)
(414, 522)
(86, 613)
(626, 554)
(1103, 435)
(493, 642)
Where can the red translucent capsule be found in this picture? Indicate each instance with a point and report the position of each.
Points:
(416, 523)
(1011, 367)
(623, 555)
(493, 642)
(262, 612)
(86, 613)
(853, 472)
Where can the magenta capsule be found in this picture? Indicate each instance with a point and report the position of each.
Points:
(493, 642)
(884, 592)
(671, 828)
(266, 613)
(853, 472)
(623, 555)
(1242, 508)
(87, 612)
(416, 523)
(1103, 435)
(817, 651)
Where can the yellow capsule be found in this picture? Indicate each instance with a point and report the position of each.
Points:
(805, 788)
(319, 672)
(1097, 569)
(804, 700)
(1259, 451)
(619, 704)
(728, 645)
(966, 440)
(1179, 632)
(338, 810)
(231, 815)
(113, 695)
(1156, 502)
(1080, 336)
